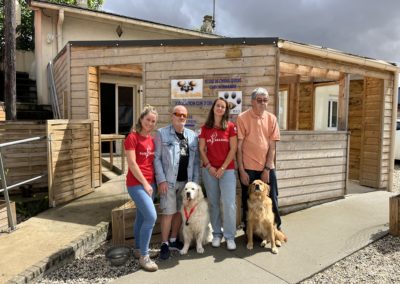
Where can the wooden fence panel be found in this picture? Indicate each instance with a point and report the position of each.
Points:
(311, 166)
(70, 152)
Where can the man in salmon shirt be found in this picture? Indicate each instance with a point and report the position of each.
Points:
(258, 132)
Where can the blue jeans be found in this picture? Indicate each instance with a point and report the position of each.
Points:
(146, 216)
(273, 194)
(223, 189)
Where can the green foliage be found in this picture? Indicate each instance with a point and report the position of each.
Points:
(33, 206)
(25, 31)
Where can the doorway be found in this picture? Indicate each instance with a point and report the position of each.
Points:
(117, 110)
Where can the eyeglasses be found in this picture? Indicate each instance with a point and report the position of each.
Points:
(180, 115)
(260, 101)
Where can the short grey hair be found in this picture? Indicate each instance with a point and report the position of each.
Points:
(259, 92)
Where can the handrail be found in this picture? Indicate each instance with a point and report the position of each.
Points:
(5, 188)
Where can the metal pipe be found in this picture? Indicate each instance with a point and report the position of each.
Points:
(6, 197)
(22, 141)
(23, 182)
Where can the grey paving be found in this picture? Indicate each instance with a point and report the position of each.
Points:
(318, 237)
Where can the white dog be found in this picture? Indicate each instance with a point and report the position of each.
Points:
(195, 216)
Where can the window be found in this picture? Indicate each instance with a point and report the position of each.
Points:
(332, 114)
(283, 107)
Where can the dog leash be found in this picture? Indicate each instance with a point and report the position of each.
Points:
(187, 215)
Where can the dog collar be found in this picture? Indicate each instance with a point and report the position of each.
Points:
(187, 215)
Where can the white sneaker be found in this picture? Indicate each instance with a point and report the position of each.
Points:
(216, 242)
(230, 244)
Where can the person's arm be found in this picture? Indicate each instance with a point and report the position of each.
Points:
(244, 177)
(137, 173)
(158, 168)
(233, 145)
(196, 166)
(270, 161)
(203, 153)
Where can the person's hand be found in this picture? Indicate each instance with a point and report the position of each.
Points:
(149, 189)
(220, 172)
(244, 177)
(265, 176)
(163, 187)
(212, 171)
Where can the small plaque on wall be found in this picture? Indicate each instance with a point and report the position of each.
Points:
(186, 89)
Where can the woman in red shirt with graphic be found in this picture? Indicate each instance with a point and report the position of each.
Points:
(218, 145)
(139, 147)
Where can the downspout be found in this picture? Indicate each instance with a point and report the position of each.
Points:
(59, 29)
(394, 124)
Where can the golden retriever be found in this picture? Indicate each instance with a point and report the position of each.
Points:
(260, 218)
(195, 216)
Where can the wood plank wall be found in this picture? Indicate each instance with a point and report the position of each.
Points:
(383, 113)
(388, 138)
(356, 95)
(255, 65)
(311, 166)
(94, 115)
(61, 74)
(371, 136)
(69, 160)
(306, 106)
(27, 160)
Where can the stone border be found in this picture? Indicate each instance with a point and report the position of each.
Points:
(83, 245)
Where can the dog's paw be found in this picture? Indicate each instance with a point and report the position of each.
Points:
(249, 246)
(200, 250)
(263, 243)
(278, 243)
(183, 251)
(274, 250)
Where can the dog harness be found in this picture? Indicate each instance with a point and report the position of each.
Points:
(187, 215)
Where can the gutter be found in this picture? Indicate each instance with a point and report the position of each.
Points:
(119, 19)
(336, 55)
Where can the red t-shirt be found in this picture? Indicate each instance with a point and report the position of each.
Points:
(144, 149)
(217, 143)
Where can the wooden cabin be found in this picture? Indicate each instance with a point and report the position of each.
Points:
(336, 111)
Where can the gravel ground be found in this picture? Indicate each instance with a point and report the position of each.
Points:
(377, 263)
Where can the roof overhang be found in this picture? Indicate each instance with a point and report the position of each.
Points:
(117, 18)
(333, 54)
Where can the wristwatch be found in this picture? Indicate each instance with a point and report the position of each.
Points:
(267, 168)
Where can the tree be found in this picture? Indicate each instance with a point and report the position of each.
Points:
(9, 60)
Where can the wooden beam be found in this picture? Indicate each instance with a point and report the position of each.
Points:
(124, 69)
(343, 102)
(293, 114)
(308, 71)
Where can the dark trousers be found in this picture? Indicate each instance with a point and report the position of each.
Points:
(273, 194)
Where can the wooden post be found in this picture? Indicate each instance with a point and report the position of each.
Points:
(10, 91)
(394, 215)
(293, 115)
(343, 102)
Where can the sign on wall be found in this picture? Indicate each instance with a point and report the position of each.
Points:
(234, 99)
(186, 89)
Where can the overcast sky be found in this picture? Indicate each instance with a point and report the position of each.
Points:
(368, 28)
